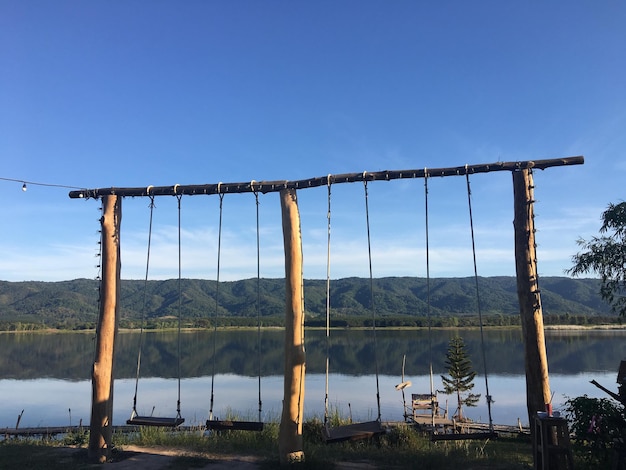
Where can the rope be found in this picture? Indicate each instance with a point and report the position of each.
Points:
(258, 297)
(369, 253)
(480, 317)
(143, 307)
(217, 288)
(258, 303)
(327, 308)
(428, 303)
(180, 294)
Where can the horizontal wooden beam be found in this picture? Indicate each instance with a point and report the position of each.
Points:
(275, 186)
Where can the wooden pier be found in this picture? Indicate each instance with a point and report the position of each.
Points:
(56, 430)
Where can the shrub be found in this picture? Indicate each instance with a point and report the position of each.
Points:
(596, 425)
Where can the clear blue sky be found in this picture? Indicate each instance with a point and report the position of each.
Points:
(136, 93)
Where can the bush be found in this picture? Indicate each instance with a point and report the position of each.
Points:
(596, 424)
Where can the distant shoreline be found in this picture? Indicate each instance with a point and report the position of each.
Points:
(584, 327)
(551, 328)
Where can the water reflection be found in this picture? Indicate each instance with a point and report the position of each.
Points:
(48, 374)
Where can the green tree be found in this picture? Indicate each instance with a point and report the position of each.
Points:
(606, 256)
(461, 378)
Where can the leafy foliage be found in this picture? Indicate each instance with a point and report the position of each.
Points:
(460, 380)
(606, 256)
(595, 423)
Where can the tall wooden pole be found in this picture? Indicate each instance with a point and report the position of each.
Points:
(101, 430)
(535, 357)
(290, 446)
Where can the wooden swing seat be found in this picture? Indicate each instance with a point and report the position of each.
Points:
(155, 421)
(229, 425)
(352, 432)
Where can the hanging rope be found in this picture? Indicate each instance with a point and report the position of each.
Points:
(327, 307)
(480, 317)
(229, 424)
(362, 430)
(428, 302)
(150, 420)
(180, 301)
(217, 289)
(369, 255)
(143, 308)
(258, 297)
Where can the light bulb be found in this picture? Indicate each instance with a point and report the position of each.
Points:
(24, 188)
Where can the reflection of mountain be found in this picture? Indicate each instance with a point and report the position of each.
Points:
(69, 356)
(76, 301)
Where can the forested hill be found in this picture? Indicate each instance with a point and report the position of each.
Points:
(74, 302)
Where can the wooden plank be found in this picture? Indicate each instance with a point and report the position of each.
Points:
(621, 373)
(54, 430)
(49, 431)
(353, 432)
(155, 421)
(427, 419)
(610, 393)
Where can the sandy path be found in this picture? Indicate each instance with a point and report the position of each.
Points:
(160, 458)
(131, 457)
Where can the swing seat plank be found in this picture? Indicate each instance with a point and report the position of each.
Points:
(229, 425)
(353, 432)
(155, 421)
(468, 436)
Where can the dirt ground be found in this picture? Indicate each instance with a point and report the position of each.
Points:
(161, 458)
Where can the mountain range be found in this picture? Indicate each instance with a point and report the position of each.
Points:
(77, 300)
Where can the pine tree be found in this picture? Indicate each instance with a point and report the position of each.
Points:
(461, 378)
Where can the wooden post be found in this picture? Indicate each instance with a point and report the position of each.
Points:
(290, 432)
(535, 357)
(102, 371)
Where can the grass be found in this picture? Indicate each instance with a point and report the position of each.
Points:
(402, 447)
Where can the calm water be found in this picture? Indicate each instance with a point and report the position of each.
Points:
(47, 375)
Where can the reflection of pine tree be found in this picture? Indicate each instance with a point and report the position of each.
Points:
(461, 378)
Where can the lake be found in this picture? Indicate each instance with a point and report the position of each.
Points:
(48, 374)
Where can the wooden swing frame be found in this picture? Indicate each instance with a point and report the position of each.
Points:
(538, 389)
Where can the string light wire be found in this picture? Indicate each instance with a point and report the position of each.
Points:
(34, 183)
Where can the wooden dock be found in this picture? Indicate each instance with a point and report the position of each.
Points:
(56, 430)
(440, 421)
(424, 420)
(499, 428)
(448, 425)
